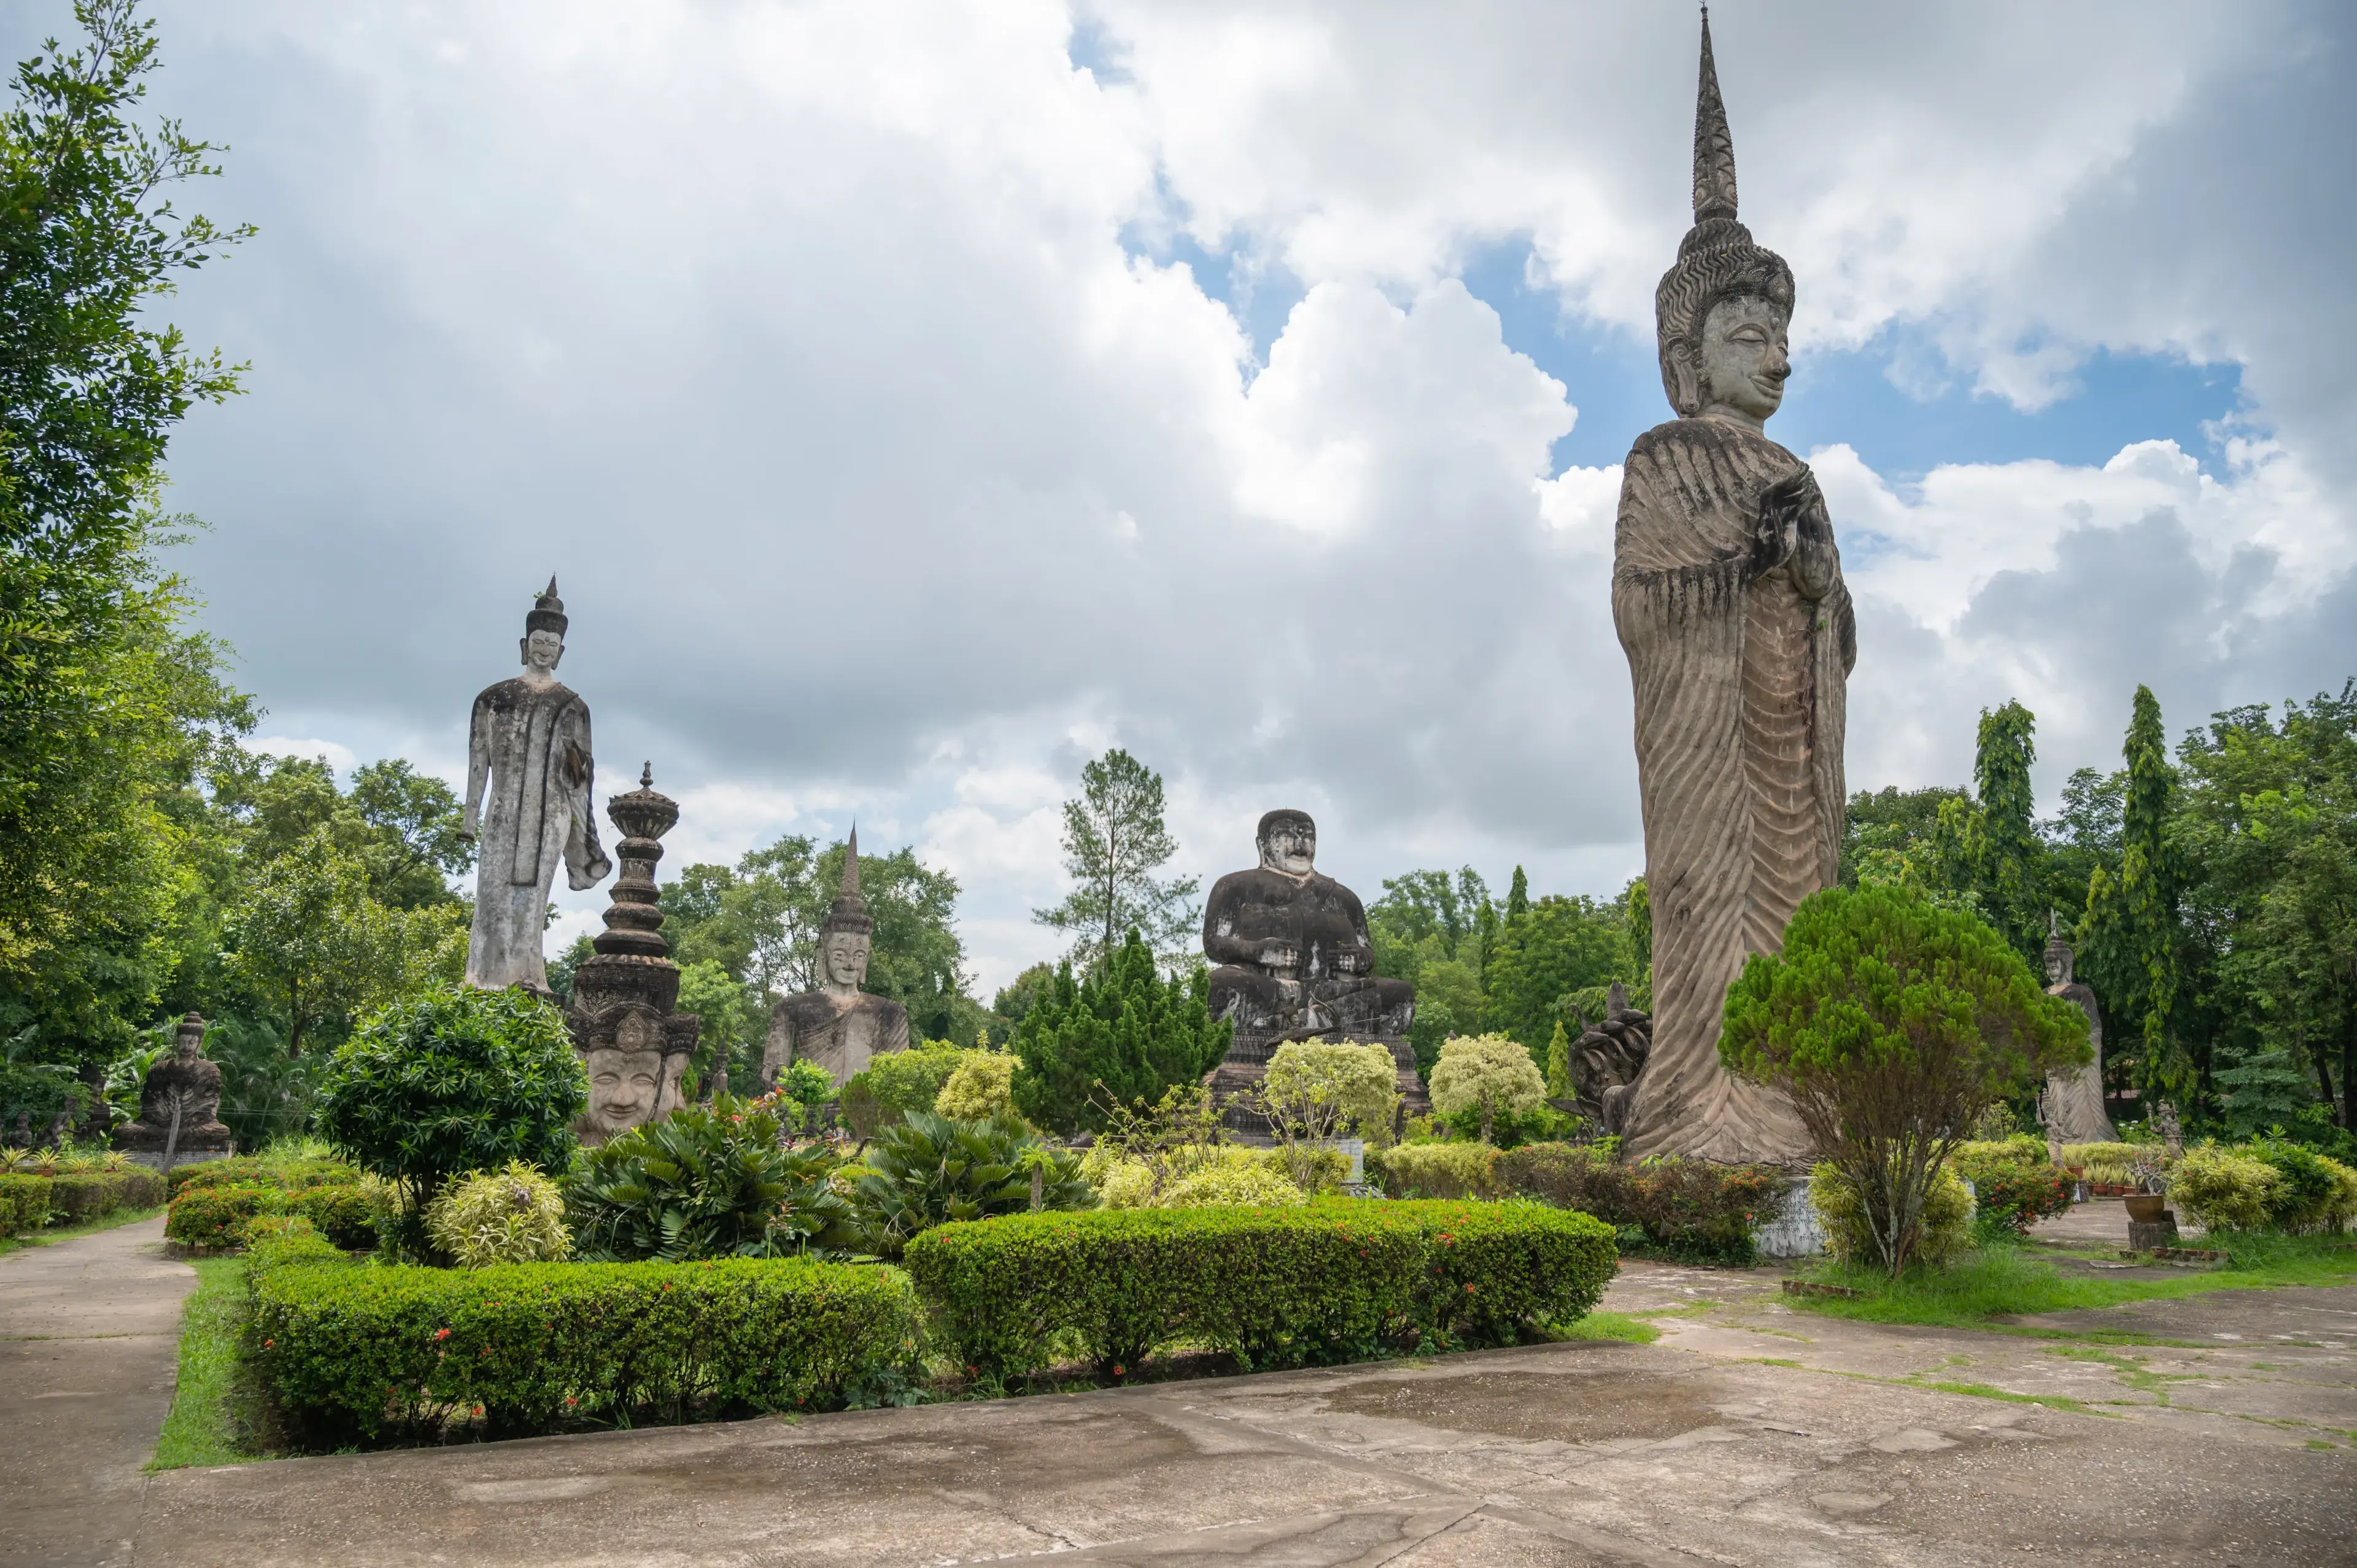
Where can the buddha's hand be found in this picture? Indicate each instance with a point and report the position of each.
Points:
(1280, 955)
(1794, 532)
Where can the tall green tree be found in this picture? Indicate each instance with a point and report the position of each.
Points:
(310, 943)
(1427, 929)
(2130, 932)
(2008, 853)
(1558, 949)
(103, 700)
(1113, 842)
(1119, 1034)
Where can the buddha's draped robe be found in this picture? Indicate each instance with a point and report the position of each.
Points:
(2074, 1095)
(534, 744)
(1739, 684)
(841, 1034)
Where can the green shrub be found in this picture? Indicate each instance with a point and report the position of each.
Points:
(2224, 1190)
(1692, 1209)
(1946, 1223)
(261, 1170)
(81, 1198)
(705, 1182)
(1253, 1183)
(346, 1216)
(1121, 1034)
(1452, 1170)
(282, 1241)
(2010, 1193)
(1207, 1174)
(2311, 1192)
(2020, 1149)
(215, 1217)
(980, 1089)
(512, 1216)
(366, 1352)
(902, 1081)
(1316, 1091)
(1485, 1077)
(453, 1081)
(24, 1203)
(1893, 1023)
(931, 1169)
(1326, 1282)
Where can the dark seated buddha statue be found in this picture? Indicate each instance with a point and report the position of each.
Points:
(179, 1106)
(1290, 947)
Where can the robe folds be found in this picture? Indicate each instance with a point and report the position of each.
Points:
(529, 746)
(1739, 684)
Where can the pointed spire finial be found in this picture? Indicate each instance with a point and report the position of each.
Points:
(646, 777)
(552, 587)
(1714, 158)
(851, 862)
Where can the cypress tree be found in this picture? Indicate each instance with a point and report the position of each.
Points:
(1123, 1030)
(2131, 920)
(2008, 848)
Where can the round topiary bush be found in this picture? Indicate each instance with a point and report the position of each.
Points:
(453, 1081)
(980, 1088)
(510, 1216)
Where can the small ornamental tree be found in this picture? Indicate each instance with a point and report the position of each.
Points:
(1893, 1024)
(1123, 1028)
(1488, 1074)
(453, 1081)
(1316, 1091)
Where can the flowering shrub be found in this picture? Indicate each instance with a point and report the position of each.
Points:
(1324, 1283)
(2010, 1192)
(215, 1217)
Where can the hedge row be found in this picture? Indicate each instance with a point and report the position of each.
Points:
(1690, 1208)
(24, 1203)
(216, 1217)
(256, 1170)
(1323, 1284)
(354, 1351)
(28, 1201)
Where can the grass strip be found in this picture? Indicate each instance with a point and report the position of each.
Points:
(2000, 1282)
(212, 1419)
(55, 1233)
(1608, 1325)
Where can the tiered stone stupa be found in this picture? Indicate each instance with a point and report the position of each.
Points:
(623, 1018)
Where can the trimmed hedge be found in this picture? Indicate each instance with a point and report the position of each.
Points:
(256, 1170)
(1326, 1282)
(354, 1351)
(216, 1217)
(1687, 1208)
(24, 1203)
(88, 1197)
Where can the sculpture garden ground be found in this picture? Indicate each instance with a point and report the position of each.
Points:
(2210, 1428)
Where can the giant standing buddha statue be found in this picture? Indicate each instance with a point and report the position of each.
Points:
(1727, 596)
(528, 750)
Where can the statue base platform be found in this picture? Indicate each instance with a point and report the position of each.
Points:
(154, 1158)
(1240, 1073)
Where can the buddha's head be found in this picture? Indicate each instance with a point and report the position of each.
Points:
(2060, 960)
(626, 1078)
(544, 632)
(846, 936)
(1721, 313)
(191, 1037)
(1288, 842)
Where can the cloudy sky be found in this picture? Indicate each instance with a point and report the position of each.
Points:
(914, 401)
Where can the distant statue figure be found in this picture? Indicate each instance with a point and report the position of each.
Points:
(2075, 1096)
(1291, 945)
(179, 1106)
(529, 741)
(1727, 596)
(838, 1027)
(1608, 1058)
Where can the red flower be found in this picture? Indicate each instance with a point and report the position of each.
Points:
(441, 1334)
(268, 1343)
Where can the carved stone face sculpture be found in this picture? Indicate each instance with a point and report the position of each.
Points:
(1743, 360)
(542, 648)
(843, 960)
(1290, 846)
(624, 1086)
(2058, 965)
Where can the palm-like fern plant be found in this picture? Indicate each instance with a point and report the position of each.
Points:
(931, 1169)
(705, 1182)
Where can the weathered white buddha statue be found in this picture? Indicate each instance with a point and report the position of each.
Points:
(1727, 592)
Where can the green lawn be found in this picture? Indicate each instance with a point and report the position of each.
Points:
(1608, 1326)
(215, 1416)
(62, 1232)
(1998, 1281)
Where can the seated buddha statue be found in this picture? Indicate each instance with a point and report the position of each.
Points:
(1290, 949)
(179, 1106)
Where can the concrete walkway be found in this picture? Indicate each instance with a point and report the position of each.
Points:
(89, 1334)
(1752, 1434)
